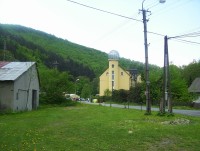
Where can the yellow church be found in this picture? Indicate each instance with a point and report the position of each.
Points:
(116, 78)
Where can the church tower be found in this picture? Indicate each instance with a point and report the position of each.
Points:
(113, 58)
(114, 77)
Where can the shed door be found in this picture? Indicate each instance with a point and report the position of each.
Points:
(34, 99)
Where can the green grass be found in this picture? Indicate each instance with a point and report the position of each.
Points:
(98, 128)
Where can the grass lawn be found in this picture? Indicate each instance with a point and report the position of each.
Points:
(88, 127)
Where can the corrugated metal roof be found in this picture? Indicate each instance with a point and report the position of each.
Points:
(195, 86)
(11, 71)
(3, 63)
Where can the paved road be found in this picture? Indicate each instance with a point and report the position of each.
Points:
(178, 111)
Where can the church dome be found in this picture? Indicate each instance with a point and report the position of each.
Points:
(114, 55)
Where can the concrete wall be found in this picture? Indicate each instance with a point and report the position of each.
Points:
(26, 91)
(6, 95)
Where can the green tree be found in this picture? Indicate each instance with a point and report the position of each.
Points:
(156, 84)
(179, 88)
(86, 91)
(191, 71)
(135, 94)
(120, 95)
(53, 85)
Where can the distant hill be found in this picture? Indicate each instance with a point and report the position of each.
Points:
(27, 44)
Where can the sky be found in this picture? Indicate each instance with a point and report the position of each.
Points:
(106, 32)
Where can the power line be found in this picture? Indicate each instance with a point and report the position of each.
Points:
(104, 11)
(150, 32)
(176, 38)
(172, 6)
(193, 34)
(187, 41)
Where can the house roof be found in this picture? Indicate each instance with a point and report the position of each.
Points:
(10, 71)
(195, 86)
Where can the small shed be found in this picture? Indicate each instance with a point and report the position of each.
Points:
(19, 86)
(195, 88)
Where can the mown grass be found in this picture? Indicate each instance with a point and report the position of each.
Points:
(98, 128)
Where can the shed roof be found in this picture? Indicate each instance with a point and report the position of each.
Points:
(10, 71)
(195, 86)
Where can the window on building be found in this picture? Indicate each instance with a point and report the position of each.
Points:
(107, 73)
(113, 65)
(122, 73)
(113, 75)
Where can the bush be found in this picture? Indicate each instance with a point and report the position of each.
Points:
(120, 95)
(52, 98)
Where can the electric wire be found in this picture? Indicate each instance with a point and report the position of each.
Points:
(117, 28)
(194, 34)
(104, 11)
(176, 38)
(186, 41)
(154, 33)
(153, 6)
(171, 7)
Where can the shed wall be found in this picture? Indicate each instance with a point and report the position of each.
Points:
(6, 95)
(26, 91)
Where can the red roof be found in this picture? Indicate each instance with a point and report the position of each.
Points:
(3, 63)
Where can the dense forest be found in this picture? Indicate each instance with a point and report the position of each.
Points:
(61, 62)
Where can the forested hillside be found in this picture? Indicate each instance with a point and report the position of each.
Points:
(61, 62)
(29, 44)
(72, 61)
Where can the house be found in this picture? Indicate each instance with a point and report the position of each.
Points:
(195, 88)
(116, 78)
(19, 86)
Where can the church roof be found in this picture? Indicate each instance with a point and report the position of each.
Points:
(114, 55)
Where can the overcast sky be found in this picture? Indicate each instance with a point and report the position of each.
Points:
(106, 32)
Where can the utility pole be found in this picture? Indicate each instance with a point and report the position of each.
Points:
(167, 90)
(147, 92)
